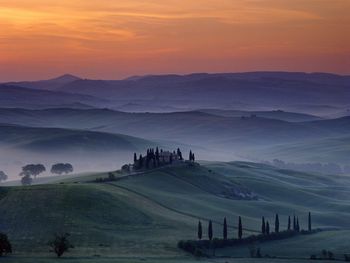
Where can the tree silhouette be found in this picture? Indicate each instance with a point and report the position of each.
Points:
(62, 168)
(225, 229)
(267, 228)
(135, 158)
(32, 170)
(140, 161)
(3, 176)
(179, 153)
(289, 223)
(297, 225)
(240, 228)
(26, 180)
(277, 224)
(294, 223)
(309, 222)
(210, 230)
(199, 234)
(5, 245)
(157, 155)
(60, 244)
(263, 226)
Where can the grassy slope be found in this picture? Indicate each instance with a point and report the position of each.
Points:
(327, 150)
(146, 214)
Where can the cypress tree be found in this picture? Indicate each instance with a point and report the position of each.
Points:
(263, 226)
(157, 155)
(289, 223)
(190, 156)
(135, 158)
(225, 229)
(298, 227)
(199, 234)
(267, 228)
(210, 230)
(179, 153)
(309, 222)
(140, 161)
(277, 224)
(240, 228)
(193, 158)
(294, 223)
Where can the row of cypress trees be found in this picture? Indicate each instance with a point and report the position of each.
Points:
(265, 227)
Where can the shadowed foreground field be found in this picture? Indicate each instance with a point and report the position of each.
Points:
(141, 217)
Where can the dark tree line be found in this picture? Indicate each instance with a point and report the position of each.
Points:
(265, 227)
(197, 247)
(158, 157)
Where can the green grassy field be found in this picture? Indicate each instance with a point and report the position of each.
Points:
(141, 217)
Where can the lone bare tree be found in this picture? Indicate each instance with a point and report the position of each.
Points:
(60, 244)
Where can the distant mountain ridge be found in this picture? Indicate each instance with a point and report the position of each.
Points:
(49, 84)
(203, 89)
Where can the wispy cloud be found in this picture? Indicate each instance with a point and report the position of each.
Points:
(48, 30)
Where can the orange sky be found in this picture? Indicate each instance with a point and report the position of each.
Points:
(116, 38)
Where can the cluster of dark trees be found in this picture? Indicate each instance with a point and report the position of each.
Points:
(327, 255)
(33, 170)
(327, 168)
(266, 234)
(158, 157)
(111, 178)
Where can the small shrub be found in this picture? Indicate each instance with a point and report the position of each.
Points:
(60, 244)
(313, 257)
(5, 245)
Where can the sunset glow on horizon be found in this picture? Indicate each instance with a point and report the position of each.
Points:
(115, 39)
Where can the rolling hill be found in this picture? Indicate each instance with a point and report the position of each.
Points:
(64, 140)
(14, 96)
(142, 216)
(212, 136)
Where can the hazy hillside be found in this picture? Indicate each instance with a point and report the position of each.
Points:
(180, 125)
(13, 96)
(213, 136)
(154, 210)
(85, 150)
(276, 114)
(58, 140)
